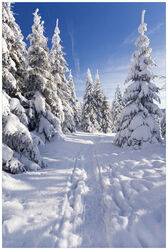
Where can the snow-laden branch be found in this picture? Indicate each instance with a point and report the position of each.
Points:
(142, 17)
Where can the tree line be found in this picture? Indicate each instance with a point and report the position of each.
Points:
(39, 100)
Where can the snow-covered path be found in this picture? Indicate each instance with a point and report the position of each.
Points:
(93, 194)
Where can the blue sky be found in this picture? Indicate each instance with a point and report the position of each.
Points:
(100, 36)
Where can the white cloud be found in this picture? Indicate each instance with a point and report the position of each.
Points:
(131, 38)
(74, 54)
(159, 57)
(154, 29)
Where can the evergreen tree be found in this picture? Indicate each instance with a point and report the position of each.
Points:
(39, 67)
(58, 69)
(98, 99)
(106, 116)
(39, 88)
(88, 115)
(138, 124)
(20, 150)
(73, 99)
(117, 107)
(14, 53)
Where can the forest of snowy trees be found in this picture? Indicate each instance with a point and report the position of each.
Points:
(39, 99)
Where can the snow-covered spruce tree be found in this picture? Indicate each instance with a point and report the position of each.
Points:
(20, 151)
(88, 114)
(39, 88)
(73, 100)
(14, 60)
(58, 69)
(138, 124)
(98, 99)
(21, 145)
(117, 107)
(14, 53)
(106, 116)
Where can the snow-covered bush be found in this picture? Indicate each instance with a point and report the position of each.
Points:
(138, 123)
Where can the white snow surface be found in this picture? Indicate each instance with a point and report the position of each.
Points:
(92, 194)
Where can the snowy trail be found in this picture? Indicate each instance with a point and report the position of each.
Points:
(134, 197)
(93, 227)
(32, 202)
(93, 194)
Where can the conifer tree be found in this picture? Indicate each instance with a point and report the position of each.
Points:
(117, 107)
(39, 89)
(88, 115)
(73, 100)
(106, 116)
(58, 69)
(14, 53)
(38, 57)
(138, 124)
(98, 99)
(20, 151)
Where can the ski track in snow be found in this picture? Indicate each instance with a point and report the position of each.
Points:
(93, 194)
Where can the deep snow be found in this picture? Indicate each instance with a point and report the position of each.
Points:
(92, 194)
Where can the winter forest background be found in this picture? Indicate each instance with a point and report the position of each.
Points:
(39, 93)
(47, 98)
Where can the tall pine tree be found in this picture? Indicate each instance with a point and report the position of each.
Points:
(138, 124)
(14, 53)
(98, 99)
(117, 107)
(58, 69)
(88, 114)
(20, 151)
(73, 100)
(106, 116)
(39, 88)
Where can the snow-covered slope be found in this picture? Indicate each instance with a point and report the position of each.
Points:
(93, 194)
